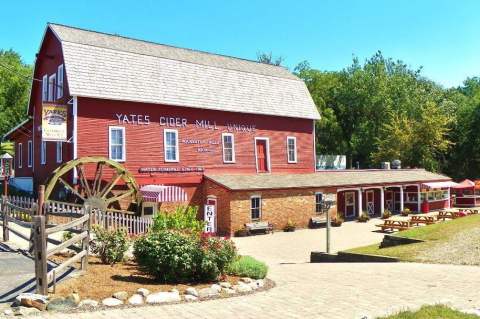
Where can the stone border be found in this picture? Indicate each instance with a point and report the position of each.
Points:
(347, 257)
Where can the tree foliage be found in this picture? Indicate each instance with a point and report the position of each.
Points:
(14, 89)
(268, 58)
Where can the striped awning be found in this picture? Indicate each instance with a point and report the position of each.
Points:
(163, 194)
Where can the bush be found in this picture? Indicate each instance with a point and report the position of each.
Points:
(110, 245)
(246, 266)
(184, 218)
(405, 212)
(290, 226)
(386, 214)
(173, 256)
(363, 218)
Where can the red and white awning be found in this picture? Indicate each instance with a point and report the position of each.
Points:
(440, 184)
(465, 184)
(163, 194)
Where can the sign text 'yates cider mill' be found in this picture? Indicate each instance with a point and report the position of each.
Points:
(142, 119)
(54, 122)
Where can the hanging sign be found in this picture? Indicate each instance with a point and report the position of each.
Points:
(210, 219)
(54, 122)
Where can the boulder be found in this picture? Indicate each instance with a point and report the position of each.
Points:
(229, 291)
(88, 303)
(111, 302)
(246, 280)
(29, 296)
(74, 298)
(163, 297)
(136, 300)
(191, 291)
(225, 284)
(8, 312)
(121, 295)
(62, 304)
(216, 287)
(24, 311)
(257, 284)
(143, 292)
(208, 292)
(33, 304)
(190, 298)
(242, 288)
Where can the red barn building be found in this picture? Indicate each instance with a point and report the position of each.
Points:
(230, 132)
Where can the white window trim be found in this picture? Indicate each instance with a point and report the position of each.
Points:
(260, 204)
(45, 88)
(316, 193)
(177, 153)
(30, 154)
(43, 153)
(233, 147)
(20, 155)
(59, 152)
(268, 152)
(295, 149)
(54, 77)
(60, 75)
(124, 144)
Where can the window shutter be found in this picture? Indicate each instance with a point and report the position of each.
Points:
(44, 88)
(60, 82)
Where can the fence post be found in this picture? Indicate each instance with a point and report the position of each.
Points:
(86, 240)
(6, 232)
(40, 254)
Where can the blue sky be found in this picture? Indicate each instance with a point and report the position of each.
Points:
(442, 36)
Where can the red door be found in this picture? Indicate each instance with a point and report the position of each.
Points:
(262, 160)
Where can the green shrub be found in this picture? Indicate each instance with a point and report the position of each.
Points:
(363, 218)
(110, 245)
(184, 218)
(386, 214)
(174, 256)
(67, 235)
(246, 266)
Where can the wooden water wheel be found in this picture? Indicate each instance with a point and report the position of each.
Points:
(101, 183)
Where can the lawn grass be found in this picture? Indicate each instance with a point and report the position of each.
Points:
(430, 312)
(432, 234)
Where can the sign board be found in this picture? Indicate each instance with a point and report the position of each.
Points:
(331, 162)
(209, 218)
(54, 122)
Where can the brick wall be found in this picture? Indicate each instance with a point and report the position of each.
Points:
(222, 197)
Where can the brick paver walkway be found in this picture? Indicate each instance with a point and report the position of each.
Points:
(307, 290)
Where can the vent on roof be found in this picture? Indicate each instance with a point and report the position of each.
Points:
(396, 164)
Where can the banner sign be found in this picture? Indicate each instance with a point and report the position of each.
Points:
(54, 122)
(210, 219)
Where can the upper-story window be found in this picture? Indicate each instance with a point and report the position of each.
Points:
(59, 152)
(45, 88)
(20, 155)
(292, 149)
(30, 154)
(51, 87)
(60, 81)
(116, 143)
(228, 143)
(43, 153)
(170, 144)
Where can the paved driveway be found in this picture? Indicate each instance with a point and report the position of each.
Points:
(16, 273)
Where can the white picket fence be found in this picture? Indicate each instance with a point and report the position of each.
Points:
(134, 225)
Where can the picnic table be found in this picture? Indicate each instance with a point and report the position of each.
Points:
(449, 214)
(471, 211)
(394, 225)
(421, 219)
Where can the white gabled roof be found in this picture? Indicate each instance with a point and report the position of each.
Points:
(113, 67)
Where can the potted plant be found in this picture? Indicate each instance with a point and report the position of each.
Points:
(386, 214)
(242, 232)
(364, 217)
(405, 212)
(338, 220)
(289, 227)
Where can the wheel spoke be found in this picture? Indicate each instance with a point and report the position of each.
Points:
(98, 178)
(83, 180)
(110, 186)
(73, 190)
(119, 197)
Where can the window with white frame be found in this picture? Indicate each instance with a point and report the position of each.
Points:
(45, 88)
(292, 149)
(170, 144)
(228, 143)
(60, 81)
(59, 152)
(30, 154)
(318, 202)
(20, 155)
(116, 143)
(51, 87)
(255, 207)
(43, 153)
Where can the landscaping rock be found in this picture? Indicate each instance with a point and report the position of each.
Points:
(246, 280)
(61, 304)
(225, 284)
(88, 303)
(136, 299)
(257, 284)
(174, 290)
(208, 292)
(24, 311)
(112, 302)
(8, 312)
(143, 292)
(29, 296)
(191, 291)
(190, 298)
(74, 298)
(230, 291)
(242, 288)
(121, 295)
(33, 304)
(216, 287)
(163, 297)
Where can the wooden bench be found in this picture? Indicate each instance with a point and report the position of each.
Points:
(394, 224)
(259, 227)
(317, 221)
(417, 220)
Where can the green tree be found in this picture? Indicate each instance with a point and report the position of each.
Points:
(15, 82)
(268, 58)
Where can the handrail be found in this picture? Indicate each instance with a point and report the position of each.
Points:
(71, 224)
